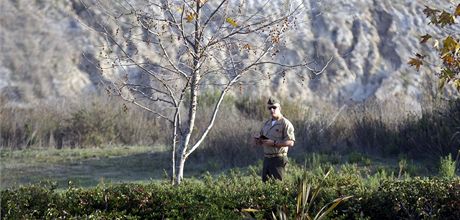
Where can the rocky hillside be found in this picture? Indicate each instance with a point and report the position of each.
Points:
(48, 50)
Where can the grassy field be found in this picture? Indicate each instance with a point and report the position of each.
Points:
(85, 167)
(141, 164)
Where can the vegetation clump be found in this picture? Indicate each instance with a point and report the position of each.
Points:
(241, 195)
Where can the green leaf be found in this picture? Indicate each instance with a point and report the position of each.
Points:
(231, 21)
(321, 215)
(250, 210)
(450, 45)
(447, 74)
(457, 10)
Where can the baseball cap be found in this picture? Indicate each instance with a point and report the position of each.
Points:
(273, 101)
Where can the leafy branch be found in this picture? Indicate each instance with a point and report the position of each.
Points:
(448, 47)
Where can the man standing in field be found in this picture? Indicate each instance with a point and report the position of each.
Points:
(276, 136)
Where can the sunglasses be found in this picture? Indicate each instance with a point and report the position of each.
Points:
(272, 107)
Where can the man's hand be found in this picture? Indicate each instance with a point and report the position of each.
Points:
(263, 141)
(272, 143)
(257, 140)
(268, 142)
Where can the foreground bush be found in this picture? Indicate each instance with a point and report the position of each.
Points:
(415, 199)
(231, 197)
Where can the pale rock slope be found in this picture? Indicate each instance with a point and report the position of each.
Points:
(48, 51)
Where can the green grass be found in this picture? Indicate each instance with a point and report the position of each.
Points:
(84, 167)
(88, 167)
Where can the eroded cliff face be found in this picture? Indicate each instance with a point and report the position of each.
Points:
(49, 50)
(45, 51)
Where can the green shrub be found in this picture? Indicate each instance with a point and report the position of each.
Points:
(235, 196)
(359, 158)
(91, 127)
(447, 167)
(30, 202)
(413, 199)
(306, 200)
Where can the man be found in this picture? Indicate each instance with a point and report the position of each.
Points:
(276, 136)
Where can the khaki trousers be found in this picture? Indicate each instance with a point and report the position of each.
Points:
(274, 167)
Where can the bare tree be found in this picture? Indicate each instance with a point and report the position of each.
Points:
(167, 52)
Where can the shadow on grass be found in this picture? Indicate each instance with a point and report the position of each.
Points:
(92, 170)
(140, 167)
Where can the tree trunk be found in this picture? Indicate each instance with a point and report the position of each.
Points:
(192, 108)
(173, 142)
(185, 140)
(180, 169)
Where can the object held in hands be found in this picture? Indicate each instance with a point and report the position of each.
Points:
(262, 137)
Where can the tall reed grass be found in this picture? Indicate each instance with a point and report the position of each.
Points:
(383, 129)
(94, 122)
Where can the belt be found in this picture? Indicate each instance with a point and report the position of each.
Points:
(275, 155)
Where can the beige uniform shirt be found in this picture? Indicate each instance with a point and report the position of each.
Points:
(282, 130)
